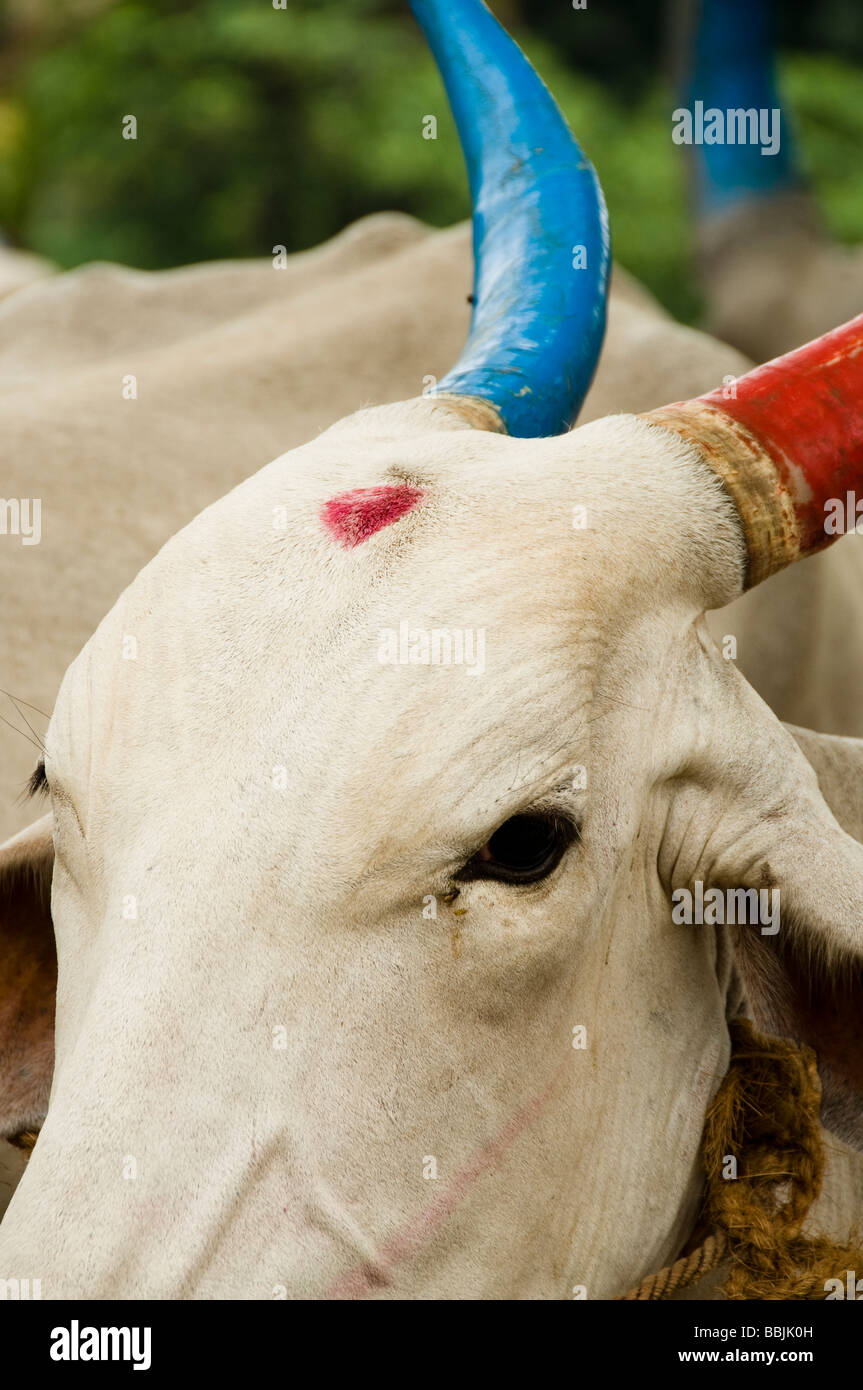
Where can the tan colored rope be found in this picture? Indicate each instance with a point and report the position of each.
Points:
(765, 1116)
(685, 1271)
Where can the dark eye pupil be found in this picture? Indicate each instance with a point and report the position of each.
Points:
(523, 843)
(524, 849)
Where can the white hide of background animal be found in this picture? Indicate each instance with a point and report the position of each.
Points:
(773, 278)
(19, 269)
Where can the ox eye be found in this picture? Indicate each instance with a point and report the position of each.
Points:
(524, 849)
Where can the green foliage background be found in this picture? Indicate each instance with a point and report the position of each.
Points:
(259, 126)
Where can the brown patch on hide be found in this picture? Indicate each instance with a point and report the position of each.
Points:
(28, 981)
(828, 1014)
(795, 995)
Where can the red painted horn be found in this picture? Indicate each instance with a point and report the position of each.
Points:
(786, 439)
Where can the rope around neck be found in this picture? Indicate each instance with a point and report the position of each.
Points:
(764, 1115)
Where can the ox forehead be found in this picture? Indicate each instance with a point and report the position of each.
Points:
(402, 662)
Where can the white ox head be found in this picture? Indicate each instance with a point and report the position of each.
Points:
(327, 914)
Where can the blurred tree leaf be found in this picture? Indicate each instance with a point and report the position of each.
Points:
(259, 126)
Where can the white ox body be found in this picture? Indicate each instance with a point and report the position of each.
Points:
(296, 904)
(773, 278)
(19, 269)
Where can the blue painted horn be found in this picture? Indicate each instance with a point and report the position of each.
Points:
(540, 229)
(730, 66)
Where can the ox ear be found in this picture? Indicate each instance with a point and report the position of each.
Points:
(28, 978)
(806, 980)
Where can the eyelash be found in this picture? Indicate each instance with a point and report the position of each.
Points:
(37, 783)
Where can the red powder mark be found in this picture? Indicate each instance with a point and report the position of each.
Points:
(366, 1278)
(806, 409)
(354, 516)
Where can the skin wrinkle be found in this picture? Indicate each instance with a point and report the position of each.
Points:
(528, 797)
(679, 778)
(240, 1195)
(418, 1231)
(330, 1215)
